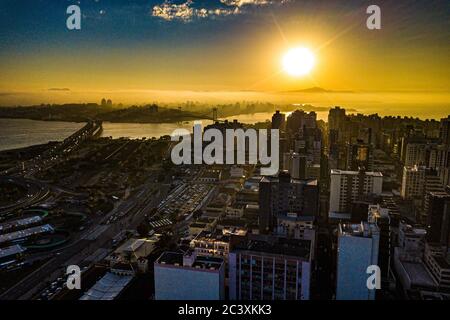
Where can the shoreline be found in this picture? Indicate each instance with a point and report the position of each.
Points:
(106, 121)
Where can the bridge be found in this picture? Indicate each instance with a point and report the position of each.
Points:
(213, 115)
(53, 155)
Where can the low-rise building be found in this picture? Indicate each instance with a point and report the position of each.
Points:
(110, 286)
(210, 176)
(189, 277)
(134, 251)
(235, 211)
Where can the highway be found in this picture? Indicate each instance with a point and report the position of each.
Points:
(55, 154)
(36, 192)
(131, 212)
(128, 214)
(22, 173)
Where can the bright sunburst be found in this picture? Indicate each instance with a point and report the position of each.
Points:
(298, 62)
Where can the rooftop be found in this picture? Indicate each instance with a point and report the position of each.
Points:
(211, 174)
(442, 262)
(220, 235)
(19, 223)
(354, 173)
(308, 182)
(418, 274)
(231, 222)
(197, 262)
(212, 236)
(133, 245)
(439, 194)
(10, 251)
(293, 216)
(108, 288)
(363, 229)
(25, 233)
(273, 245)
(409, 229)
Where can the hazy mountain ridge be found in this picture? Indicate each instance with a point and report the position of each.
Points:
(318, 90)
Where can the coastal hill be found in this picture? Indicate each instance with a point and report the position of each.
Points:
(317, 90)
(83, 112)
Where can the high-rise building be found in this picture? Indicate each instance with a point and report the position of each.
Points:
(438, 264)
(411, 239)
(283, 194)
(295, 164)
(278, 120)
(443, 157)
(338, 133)
(359, 156)
(380, 216)
(223, 127)
(438, 217)
(336, 118)
(357, 250)
(297, 227)
(445, 131)
(300, 119)
(269, 268)
(308, 142)
(347, 187)
(333, 149)
(313, 171)
(293, 226)
(310, 121)
(432, 183)
(437, 155)
(445, 230)
(189, 277)
(444, 170)
(411, 272)
(298, 167)
(287, 159)
(416, 154)
(413, 182)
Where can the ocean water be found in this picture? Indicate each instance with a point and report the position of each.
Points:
(148, 130)
(20, 133)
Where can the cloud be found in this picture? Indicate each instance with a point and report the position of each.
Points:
(169, 11)
(240, 3)
(59, 89)
(187, 11)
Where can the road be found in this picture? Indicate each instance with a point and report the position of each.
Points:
(132, 212)
(55, 154)
(36, 192)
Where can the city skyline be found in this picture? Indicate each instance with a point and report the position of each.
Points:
(95, 217)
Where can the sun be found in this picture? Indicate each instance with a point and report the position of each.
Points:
(298, 62)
